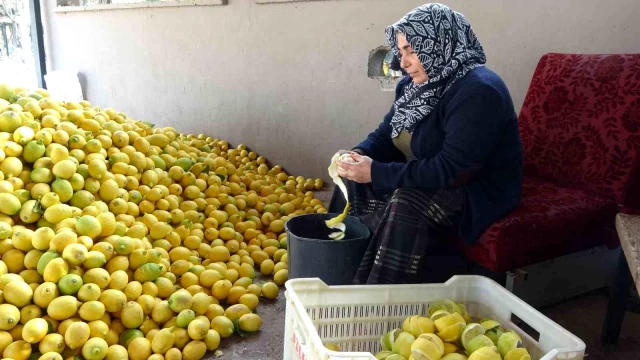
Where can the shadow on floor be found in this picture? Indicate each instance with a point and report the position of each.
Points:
(583, 316)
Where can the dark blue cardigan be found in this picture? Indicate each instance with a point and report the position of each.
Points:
(469, 140)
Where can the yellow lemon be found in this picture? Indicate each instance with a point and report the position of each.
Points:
(52, 343)
(44, 294)
(97, 276)
(117, 352)
(75, 254)
(95, 349)
(270, 290)
(163, 340)
(236, 311)
(223, 326)
(97, 168)
(89, 292)
(92, 310)
(11, 205)
(42, 237)
(99, 329)
(18, 293)
(139, 349)
(9, 316)
(35, 330)
(64, 169)
(77, 334)
(250, 322)
(194, 350)
(63, 307)
(132, 315)
(57, 212)
(55, 270)
(17, 350)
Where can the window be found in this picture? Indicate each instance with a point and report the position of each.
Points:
(379, 68)
(280, 1)
(21, 44)
(92, 5)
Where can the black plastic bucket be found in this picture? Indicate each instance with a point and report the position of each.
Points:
(312, 254)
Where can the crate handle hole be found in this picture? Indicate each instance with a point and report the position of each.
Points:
(526, 327)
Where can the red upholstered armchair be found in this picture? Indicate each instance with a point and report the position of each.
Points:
(580, 128)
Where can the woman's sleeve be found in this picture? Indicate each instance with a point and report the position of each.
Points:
(473, 124)
(378, 145)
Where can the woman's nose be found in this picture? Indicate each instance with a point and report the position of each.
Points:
(404, 63)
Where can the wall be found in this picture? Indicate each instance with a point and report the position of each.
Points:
(289, 80)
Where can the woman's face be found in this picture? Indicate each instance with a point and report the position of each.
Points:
(409, 61)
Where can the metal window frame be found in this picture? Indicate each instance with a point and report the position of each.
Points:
(37, 41)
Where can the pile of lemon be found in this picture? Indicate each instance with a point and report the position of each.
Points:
(448, 333)
(119, 240)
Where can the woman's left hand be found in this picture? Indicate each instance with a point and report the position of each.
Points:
(360, 171)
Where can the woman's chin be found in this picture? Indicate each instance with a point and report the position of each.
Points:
(419, 80)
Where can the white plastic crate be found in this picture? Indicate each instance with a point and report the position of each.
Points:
(355, 317)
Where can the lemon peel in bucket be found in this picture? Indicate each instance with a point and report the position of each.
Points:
(337, 222)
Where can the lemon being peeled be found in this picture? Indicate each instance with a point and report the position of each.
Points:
(337, 222)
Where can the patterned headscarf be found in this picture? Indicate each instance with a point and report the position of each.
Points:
(447, 48)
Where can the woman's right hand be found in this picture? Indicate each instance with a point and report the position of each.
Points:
(356, 151)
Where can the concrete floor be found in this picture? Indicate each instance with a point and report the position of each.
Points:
(582, 316)
(268, 343)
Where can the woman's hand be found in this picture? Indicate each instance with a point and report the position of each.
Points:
(360, 171)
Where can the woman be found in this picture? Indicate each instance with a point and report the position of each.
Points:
(446, 160)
